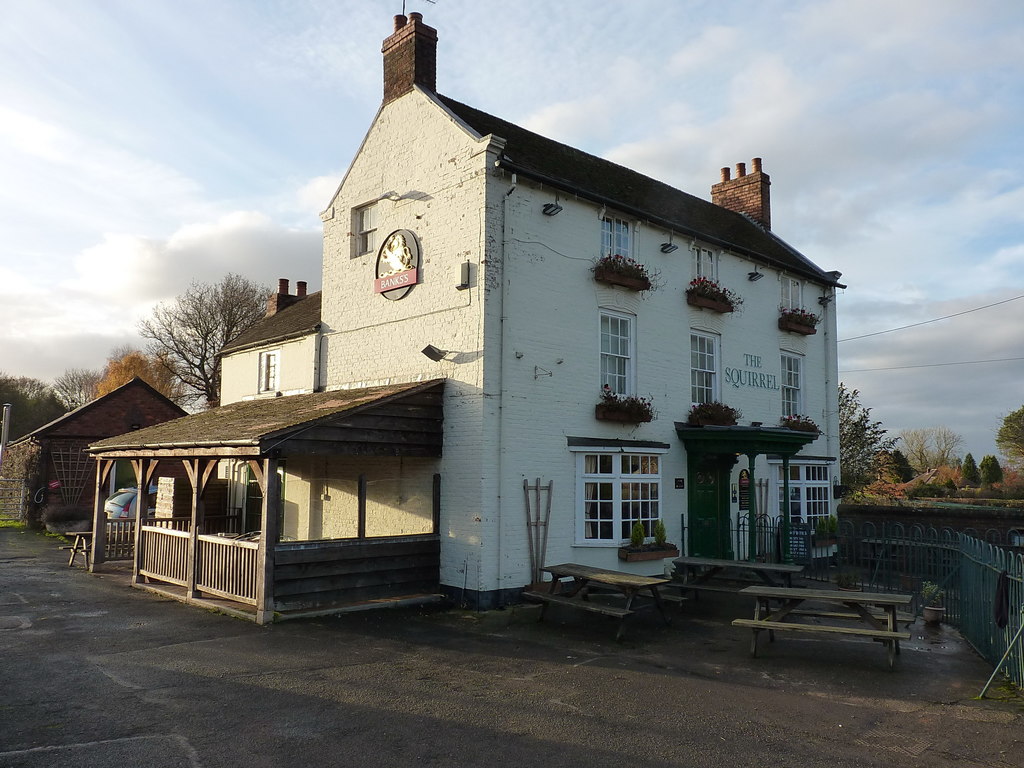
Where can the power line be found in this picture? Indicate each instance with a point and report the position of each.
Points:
(926, 322)
(932, 365)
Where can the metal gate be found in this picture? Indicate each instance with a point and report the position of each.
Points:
(13, 499)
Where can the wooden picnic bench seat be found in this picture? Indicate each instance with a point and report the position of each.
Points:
(585, 605)
(760, 624)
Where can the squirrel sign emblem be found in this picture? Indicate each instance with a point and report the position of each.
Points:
(398, 262)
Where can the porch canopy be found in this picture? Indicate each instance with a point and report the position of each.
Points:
(400, 420)
(750, 441)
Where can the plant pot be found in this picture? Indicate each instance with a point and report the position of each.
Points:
(605, 412)
(711, 423)
(706, 302)
(635, 555)
(933, 614)
(786, 324)
(616, 278)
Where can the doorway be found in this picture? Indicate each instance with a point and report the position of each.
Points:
(708, 506)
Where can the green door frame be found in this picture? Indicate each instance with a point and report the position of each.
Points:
(752, 442)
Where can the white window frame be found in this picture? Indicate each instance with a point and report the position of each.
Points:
(791, 384)
(631, 493)
(269, 371)
(618, 370)
(713, 390)
(810, 490)
(792, 293)
(364, 228)
(705, 263)
(616, 237)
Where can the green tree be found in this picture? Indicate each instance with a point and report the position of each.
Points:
(861, 440)
(990, 471)
(1010, 437)
(33, 404)
(969, 471)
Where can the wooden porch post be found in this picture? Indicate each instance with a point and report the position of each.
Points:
(787, 556)
(99, 517)
(199, 471)
(141, 483)
(361, 508)
(436, 503)
(751, 510)
(268, 540)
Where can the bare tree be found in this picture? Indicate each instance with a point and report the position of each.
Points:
(931, 447)
(188, 333)
(76, 387)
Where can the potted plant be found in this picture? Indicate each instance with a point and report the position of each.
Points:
(707, 293)
(713, 413)
(615, 269)
(932, 600)
(798, 321)
(799, 423)
(639, 549)
(847, 581)
(627, 409)
(825, 531)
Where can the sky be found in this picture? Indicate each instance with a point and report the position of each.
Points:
(147, 145)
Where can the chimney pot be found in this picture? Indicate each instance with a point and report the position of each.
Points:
(282, 285)
(726, 174)
(756, 163)
(416, 16)
(399, 21)
(300, 288)
(741, 170)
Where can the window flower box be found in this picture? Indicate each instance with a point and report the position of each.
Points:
(632, 554)
(625, 409)
(708, 294)
(623, 271)
(713, 414)
(800, 424)
(798, 321)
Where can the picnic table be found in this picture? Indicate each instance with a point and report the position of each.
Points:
(82, 545)
(706, 573)
(875, 611)
(587, 579)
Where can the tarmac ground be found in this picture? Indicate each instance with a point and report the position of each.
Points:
(95, 673)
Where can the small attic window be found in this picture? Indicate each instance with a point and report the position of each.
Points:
(269, 363)
(364, 225)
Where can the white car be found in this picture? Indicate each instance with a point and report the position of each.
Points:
(122, 504)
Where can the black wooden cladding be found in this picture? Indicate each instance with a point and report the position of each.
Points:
(336, 573)
(412, 426)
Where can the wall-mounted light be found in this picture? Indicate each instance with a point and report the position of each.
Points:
(551, 209)
(393, 196)
(463, 277)
(669, 246)
(434, 353)
(755, 275)
(824, 300)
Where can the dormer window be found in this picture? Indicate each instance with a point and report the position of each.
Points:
(269, 370)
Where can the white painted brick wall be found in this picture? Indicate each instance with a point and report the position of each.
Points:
(533, 306)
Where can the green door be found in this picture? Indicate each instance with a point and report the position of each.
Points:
(708, 506)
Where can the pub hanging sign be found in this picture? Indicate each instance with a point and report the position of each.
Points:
(398, 265)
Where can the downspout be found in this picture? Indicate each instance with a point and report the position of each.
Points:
(501, 381)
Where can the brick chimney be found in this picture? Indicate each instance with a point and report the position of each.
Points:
(410, 57)
(282, 298)
(747, 193)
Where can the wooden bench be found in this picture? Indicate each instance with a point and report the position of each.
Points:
(585, 577)
(698, 573)
(81, 546)
(574, 602)
(875, 610)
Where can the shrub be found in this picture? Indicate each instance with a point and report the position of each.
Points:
(66, 513)
(799, 423)
(660, 536)
(638, 409)
(637, 534)
(801, 316)
(931, 594)
(704, 286)
(622, 265)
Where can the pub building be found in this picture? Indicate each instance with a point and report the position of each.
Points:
(520, 351)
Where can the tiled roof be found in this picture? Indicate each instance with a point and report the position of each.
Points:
(605, 182)
(300, 319)
(246, 422)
